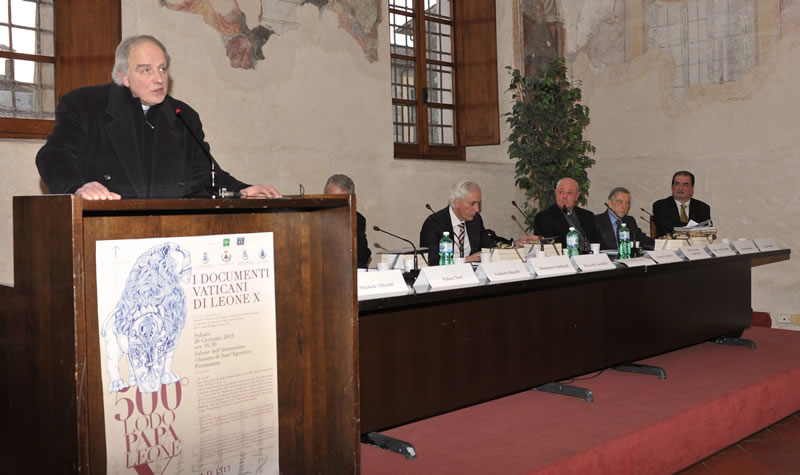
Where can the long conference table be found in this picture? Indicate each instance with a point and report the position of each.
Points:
(424, 354)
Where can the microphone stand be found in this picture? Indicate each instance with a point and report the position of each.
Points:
(415, 272)
(213, 191)
(444, 228)
(580, 231)
(527, 219)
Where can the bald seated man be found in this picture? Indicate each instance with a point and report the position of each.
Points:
(556, 220)
(125, 140)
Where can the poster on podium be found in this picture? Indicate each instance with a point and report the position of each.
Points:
(188, 354)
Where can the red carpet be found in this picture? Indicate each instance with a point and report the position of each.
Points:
(713, 396)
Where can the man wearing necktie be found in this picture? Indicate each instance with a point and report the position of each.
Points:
(608, 223)
(681, 207)
(462, 219)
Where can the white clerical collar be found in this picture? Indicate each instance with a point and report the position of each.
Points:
(145, 108)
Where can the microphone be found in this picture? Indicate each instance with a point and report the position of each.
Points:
(212, 190)
(416, 267)
(578, 228)
(612, 211)
(444, 228)
(514, 218)
(527, 219)
(648, 213)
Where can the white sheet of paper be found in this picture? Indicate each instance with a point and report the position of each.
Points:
(551, 266)
(372, 285)
(593, 262)
(503, 271)
(446, 277)
(636, 262)
(664, 257)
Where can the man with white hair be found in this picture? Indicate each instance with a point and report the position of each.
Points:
(463, 216)
(126, 140)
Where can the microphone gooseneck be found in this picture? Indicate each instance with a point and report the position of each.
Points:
(376, 228)
(443, 227)
(527, 219)
(612, 211)
(578, 229)
(213, 191)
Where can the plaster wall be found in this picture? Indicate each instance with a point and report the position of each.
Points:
(739, 138)
(315, 106)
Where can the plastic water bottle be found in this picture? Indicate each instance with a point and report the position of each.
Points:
(624, 241)
(445, 249)
(573, 240)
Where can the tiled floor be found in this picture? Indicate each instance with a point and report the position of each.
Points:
(774, 450)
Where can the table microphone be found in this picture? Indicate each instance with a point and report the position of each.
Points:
(416, 267)
(527, 219)
(648, 212)
(212, 190)
(580, 231)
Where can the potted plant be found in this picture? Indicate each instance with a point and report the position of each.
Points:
(546, 140)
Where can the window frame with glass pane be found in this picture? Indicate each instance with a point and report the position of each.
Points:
(423, 75)
(27, 55)
(69, 49)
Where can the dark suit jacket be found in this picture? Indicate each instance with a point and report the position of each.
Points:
(551, 222)
(667, 216)
(605, 232)
(361, 239)
(98, 136)
(439, 222)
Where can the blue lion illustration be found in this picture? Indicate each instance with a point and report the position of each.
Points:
(148, 319)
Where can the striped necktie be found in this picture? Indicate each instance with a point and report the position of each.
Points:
(460, 237)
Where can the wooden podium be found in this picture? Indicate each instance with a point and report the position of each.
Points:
(51, 404)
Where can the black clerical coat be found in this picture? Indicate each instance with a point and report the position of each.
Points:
(98, 137)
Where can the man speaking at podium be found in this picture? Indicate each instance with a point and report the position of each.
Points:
(130, 139)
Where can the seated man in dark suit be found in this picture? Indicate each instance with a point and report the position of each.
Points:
(556, 220)
(343, 185)
(463, 216)
(607, 224)
(678, 209)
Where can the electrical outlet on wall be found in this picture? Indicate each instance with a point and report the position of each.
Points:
(784, 318)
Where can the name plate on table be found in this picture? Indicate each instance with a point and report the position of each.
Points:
(635, 262)
(664, 257)
(694, 253)
(387, 283)
(503, 271)
(551, 266)
(744, 246)
(767, 244)
(446, 277)
(721, 249)
(593, 262)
